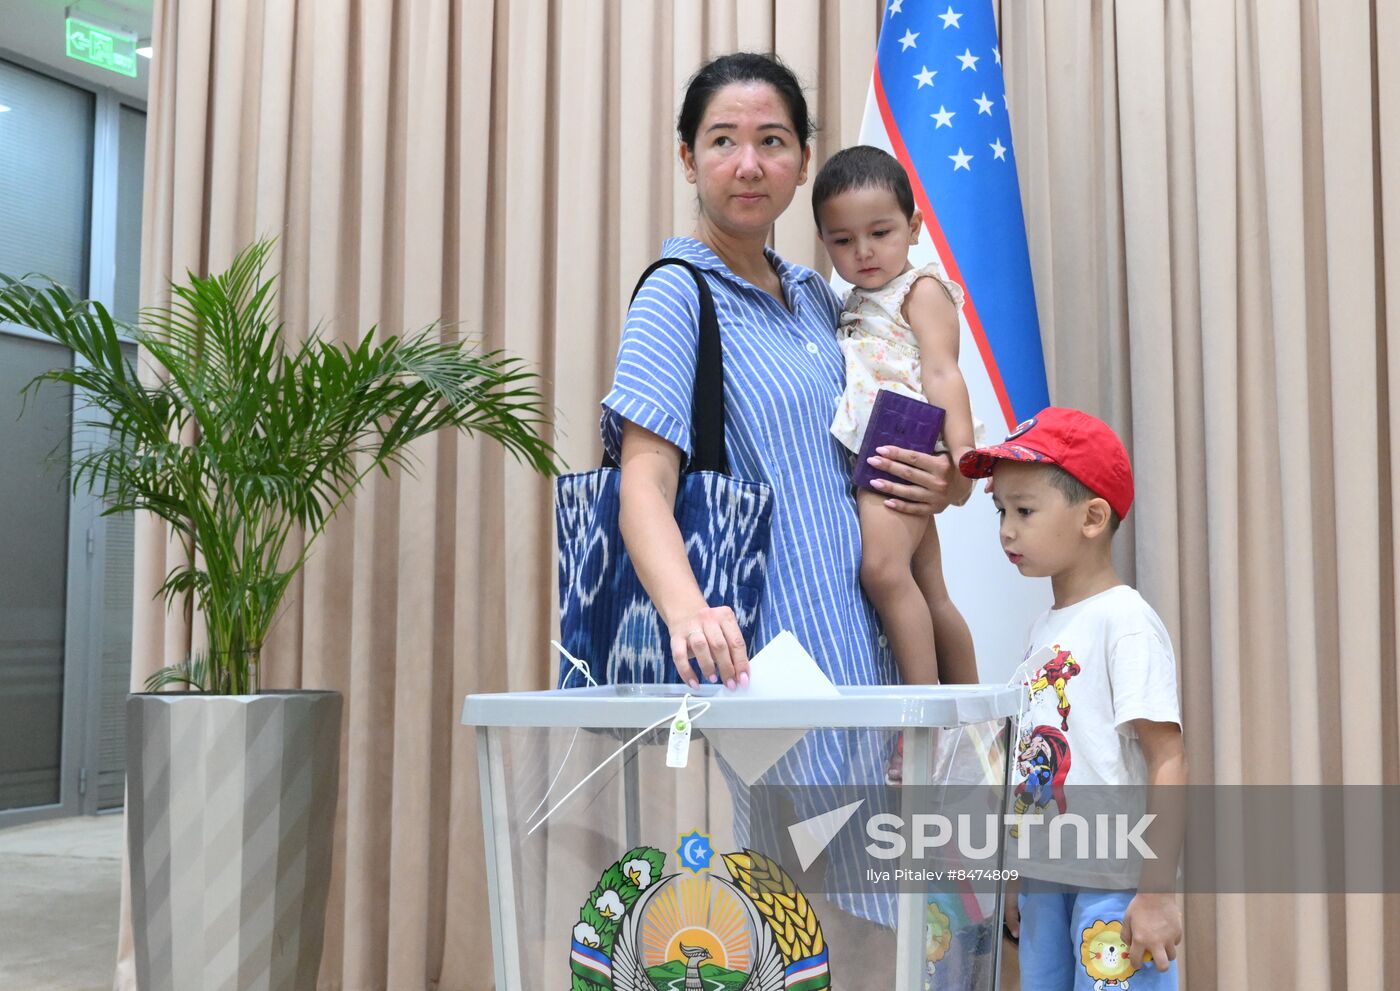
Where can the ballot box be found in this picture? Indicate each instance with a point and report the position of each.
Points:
(644, 837)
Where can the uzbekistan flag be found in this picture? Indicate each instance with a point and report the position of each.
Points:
(591, 963)
(808, 974)
(938, 103)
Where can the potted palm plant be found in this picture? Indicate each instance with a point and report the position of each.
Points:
(246, 445)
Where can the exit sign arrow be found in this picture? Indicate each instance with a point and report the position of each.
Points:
(105, 48)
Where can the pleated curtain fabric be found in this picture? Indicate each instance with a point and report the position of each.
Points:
(508, 168)
(1212, 193)
(1210, 187)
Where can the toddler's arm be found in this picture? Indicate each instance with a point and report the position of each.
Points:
(934, 320)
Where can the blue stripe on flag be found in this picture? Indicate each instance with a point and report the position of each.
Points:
(807, 963)
(592, 958)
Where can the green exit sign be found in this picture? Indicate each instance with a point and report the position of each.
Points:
(102, 47)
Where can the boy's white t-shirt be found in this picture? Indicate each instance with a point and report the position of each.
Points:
(1113, 663)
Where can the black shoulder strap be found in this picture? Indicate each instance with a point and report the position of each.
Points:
(707, 398)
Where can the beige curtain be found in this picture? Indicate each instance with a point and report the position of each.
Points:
(1212, 193)
(505, 166)
(1207, 201)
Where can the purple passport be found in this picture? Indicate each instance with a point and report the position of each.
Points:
(899, 421)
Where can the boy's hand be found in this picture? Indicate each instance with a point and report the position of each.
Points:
(1011, 910)
(1152, 922)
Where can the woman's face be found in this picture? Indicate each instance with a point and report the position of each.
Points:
(747, 162)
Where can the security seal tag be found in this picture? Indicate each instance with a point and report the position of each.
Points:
(678, 746)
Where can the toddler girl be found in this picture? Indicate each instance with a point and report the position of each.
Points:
(899, 331)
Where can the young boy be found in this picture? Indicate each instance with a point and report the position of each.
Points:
(1102, 706)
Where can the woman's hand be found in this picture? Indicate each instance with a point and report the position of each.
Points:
(711, 636)
(930, 483)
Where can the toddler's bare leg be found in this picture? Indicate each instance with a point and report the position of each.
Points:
(888, 540)
(957, 659)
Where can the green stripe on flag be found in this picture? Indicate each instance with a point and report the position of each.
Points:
(587, 975)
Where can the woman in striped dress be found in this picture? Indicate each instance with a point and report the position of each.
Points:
(744, 130)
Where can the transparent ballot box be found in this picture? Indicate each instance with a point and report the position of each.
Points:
(782, 853)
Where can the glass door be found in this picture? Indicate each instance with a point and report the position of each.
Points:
(70, 195)
(65, 604)
(34, 511)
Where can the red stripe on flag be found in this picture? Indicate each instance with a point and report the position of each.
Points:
(940, 243)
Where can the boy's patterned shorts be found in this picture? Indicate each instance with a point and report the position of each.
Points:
(1071, 940)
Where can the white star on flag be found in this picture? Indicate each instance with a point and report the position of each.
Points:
(894, 6)
(998, 150)
(960, 161)
(925, 78)
(944, 117)
(984, 105)
(968, 60)
(950, 19)
(908, 40)
(995, 51)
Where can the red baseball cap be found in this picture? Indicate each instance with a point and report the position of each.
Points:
(1081, 444)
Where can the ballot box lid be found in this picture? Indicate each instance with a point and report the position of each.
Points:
(641, 705)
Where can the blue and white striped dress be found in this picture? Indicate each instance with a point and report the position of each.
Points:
(783, 375)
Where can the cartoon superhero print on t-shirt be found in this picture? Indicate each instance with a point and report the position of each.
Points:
(1043, 759)
(1055, 674)
(1043, 751)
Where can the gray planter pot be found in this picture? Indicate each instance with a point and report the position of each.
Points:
(230, 817)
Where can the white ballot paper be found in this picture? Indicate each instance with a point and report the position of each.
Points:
(781, 670)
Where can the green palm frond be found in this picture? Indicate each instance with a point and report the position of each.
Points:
(247, 444)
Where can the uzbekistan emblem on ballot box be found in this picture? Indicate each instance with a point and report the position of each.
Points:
(644, 930)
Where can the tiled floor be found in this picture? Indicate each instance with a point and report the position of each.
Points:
(60, 884)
